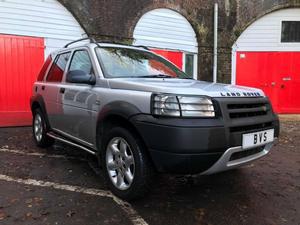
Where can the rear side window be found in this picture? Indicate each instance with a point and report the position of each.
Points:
(58, 68)
(44, 68)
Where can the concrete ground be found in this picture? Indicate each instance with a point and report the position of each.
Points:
(59, 186)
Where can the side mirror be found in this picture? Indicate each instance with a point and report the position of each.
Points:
(80, 77)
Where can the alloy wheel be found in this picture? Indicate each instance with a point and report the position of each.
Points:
(120, 163)
(38, 127)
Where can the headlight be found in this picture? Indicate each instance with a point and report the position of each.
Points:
(182, 106)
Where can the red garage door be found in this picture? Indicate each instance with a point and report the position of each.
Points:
(20, 61)
(276, 73)
(174, 57)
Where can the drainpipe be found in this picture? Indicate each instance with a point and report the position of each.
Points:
(215, 63)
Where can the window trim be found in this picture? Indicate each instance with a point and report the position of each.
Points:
(54, 61)
(70, 61)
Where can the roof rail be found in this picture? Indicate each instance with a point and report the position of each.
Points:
(92, 40)
(121, 43)
(141, 46)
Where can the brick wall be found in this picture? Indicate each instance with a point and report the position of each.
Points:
(116, 19)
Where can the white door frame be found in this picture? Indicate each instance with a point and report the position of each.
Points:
(233, 65)
(195, 63)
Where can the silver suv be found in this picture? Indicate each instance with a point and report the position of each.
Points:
(140, 114)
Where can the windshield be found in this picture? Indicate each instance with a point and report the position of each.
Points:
(124, 62)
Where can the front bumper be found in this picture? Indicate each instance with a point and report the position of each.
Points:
(225, 162)
(193, 146)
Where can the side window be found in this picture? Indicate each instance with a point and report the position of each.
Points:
(44, 68)
(58, 68)
(81, 62)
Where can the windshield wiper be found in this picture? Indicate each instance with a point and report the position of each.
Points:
(157, 76)
(187, 78)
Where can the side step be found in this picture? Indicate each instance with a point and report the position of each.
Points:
(62, 139)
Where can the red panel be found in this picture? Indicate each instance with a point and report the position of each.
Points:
(21, 59)
(174, 57)
(276, 73)
(288, 81)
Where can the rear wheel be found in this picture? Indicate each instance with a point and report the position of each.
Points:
(39, 130)
(127, 167)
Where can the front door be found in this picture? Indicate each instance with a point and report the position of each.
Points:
(276, 73)
(78, 112)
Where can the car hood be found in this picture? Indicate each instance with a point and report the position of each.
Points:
(183, 86)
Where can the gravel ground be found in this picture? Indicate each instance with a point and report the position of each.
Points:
(266, 192)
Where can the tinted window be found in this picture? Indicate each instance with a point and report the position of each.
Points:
(81, 61)
(44, 68)
(290, 31)
(58, 68)
(125, 62)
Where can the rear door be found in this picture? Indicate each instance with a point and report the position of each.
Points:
(77, 102)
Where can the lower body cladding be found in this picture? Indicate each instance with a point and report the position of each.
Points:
(199, 146)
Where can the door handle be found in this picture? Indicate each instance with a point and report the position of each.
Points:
(286, 78)
(62, 90)
(43, 88)
(282, 86)
(264, 85)
(273, 84)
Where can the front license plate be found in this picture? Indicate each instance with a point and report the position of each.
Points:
(258, 138)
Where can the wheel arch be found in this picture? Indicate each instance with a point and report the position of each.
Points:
(37, 102)
(117, 120)
(118, 114)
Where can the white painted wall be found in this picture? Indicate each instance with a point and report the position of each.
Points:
(265, 33)
(165, 29)
(40, 18)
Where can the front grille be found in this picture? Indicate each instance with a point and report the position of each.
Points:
(240, 110)
(246, 153)
(252, 127)
(245, 115)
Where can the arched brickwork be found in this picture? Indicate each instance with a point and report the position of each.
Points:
(115, 20)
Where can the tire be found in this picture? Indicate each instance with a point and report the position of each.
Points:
(39, 130)
(127, 167)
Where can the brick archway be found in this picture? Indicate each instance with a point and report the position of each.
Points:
(242, 25)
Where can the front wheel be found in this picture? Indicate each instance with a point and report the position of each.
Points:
(39, 130)
(127, 167)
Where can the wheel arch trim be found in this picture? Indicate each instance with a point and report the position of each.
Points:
(39, 100)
